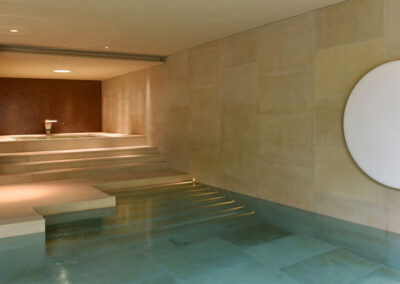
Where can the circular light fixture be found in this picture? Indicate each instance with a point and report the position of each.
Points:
(106, 47)
(62, 71)
(14, 31)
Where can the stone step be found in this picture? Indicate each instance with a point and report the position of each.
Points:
(152, 179)
(159, 190)
(86, 172)
(25, 167)
(74, 154)
(70, 144)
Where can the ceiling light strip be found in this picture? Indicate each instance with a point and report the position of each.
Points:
(80, 53)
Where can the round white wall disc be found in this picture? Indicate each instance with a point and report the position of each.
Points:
(372, 124)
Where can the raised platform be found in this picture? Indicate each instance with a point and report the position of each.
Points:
(22, 206)
(41, 176)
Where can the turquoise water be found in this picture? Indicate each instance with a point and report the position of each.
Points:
(180, 234)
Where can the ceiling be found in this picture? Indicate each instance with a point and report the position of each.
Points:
(156, 27)
(20, 65)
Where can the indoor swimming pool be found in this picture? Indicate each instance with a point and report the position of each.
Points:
(188, 233)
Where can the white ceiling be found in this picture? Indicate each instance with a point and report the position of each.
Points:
(21, 65)
(157, 27)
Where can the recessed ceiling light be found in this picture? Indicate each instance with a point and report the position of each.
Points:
(13, 31)
(62, 71)
(106, 47)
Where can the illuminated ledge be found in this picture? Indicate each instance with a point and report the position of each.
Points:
(22, 206)
(19, 227)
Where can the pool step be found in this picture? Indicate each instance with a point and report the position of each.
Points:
(84, 172)
(112, 168)
(24, 167)
(145, 211)
(37, 156)
(71, 144)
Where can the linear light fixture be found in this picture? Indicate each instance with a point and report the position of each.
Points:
(81, 53)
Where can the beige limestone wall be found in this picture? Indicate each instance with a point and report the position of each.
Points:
(124, 103)
(260, 112)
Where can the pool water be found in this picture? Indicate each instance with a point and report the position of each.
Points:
(188, 233)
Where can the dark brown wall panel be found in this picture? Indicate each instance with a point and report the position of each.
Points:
(26, 103)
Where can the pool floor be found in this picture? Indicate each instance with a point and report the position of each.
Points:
(181, 234)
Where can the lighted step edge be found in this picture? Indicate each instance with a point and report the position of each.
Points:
(152, 188)
(165, 196)
(75, 154)
(157, 192)
(71, 144)
(14, 168)
(86, 172)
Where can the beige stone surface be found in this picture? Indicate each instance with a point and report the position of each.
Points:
(347, 180)
(240, 84)
(350, 21)
(177, 132)
(286, 184)
(178, 65)
(204, 66)
(291, 92)
(240, 49)
(393, 210)
(205, 103)
(286, 45)
(287, 138)
(329, 126)
(205, 165)
(370, 214)
(260, 112)
(205, 133)
(124, 103)
(338, 69)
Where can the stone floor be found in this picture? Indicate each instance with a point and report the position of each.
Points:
(186, 234)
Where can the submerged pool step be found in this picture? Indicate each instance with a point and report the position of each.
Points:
(152, 188)
(168, 217)
(168, 210)
(158, 192)
(178, 198)
(161, 208)
(137, 226)
(167, 196)
(25, 167)
(126, 209)
(131, 239)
